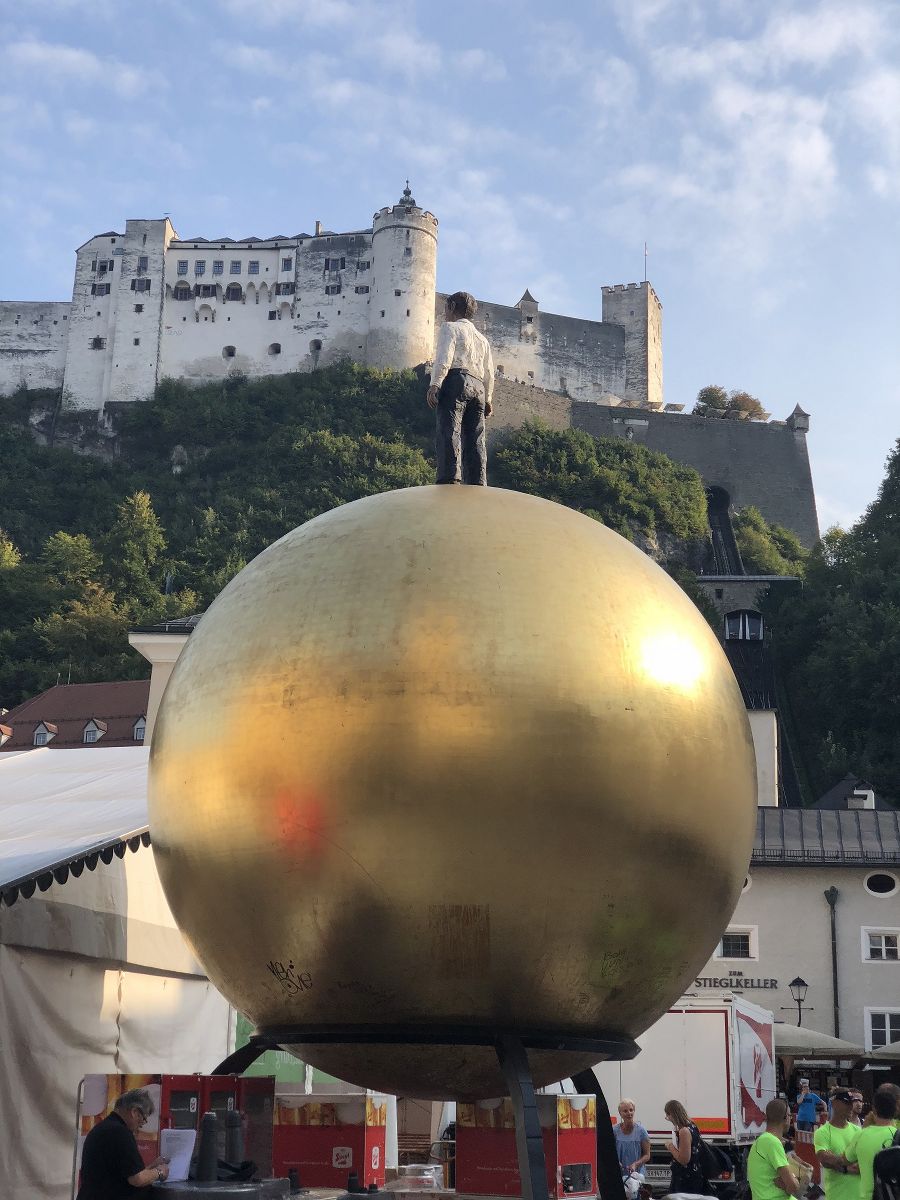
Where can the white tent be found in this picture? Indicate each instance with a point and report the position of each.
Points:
(94, 974)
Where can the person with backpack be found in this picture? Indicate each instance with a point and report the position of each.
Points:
(685, 1148)
(768, 1173)
(873, 1138)
(839, 1179)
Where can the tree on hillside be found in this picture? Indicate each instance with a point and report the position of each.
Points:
(70, 558)
(838, 644)
(628, 487)
(132, 553)
(714, 401)
(767, 549)
(10, 557)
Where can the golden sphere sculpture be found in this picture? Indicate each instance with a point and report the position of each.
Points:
(452, 756)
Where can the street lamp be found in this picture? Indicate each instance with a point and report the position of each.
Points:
(798, 988)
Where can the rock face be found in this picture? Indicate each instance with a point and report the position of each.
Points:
(441, 759)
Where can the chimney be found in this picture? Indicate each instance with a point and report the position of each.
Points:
(318, 228)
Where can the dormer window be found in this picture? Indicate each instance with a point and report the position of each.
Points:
(93, 731)
(44, 733)
(140, 729)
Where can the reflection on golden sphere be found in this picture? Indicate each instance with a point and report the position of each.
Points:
(452, 756)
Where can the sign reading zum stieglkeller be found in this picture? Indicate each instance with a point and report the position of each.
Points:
(734, 981)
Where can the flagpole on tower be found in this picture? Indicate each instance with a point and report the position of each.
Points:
(645, 262)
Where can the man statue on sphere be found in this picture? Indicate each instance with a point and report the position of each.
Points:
(462, 384)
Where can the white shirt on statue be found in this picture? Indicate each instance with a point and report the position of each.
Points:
(460, 344)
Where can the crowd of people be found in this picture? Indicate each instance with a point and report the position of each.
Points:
(846, 1141)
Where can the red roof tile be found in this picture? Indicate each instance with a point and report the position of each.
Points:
(113, 706)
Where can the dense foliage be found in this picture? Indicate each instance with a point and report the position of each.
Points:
(206, 477)
(628, 487)
(767, 549)
(838, 647)
(714, 401)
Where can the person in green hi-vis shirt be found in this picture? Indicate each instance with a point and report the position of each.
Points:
(768, 1173)
(873, 1138)
(832, 1140)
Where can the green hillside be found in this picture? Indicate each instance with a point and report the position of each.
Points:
(154, 521)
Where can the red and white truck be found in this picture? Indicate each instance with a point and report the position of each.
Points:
(713, 1054)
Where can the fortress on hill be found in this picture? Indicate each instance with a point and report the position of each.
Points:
(147, 304)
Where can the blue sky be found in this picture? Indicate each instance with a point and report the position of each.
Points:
(754, 145)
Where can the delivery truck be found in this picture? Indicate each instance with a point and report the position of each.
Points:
(713, 1054)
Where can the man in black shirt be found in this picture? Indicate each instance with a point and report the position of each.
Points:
(111, 1164)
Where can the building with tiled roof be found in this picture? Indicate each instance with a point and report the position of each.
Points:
(79, 714)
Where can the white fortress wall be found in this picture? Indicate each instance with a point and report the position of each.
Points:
(134, 351)
(581, 359)
(148, 304)
(92, 322)
(34, 335)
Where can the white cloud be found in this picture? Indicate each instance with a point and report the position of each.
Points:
(309, 13)
(254, 60)
(79, 127)
(874, 102)
(404, 52)
(480, 64)
(57, 63)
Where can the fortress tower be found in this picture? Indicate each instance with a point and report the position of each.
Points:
(404, 269)
(116, 315)
(636, 309)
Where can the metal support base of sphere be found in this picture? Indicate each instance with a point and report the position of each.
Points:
(512, 1056)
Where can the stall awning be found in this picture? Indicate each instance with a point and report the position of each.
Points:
(62, 810)
(794, 1041)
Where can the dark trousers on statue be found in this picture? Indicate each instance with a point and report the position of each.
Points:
(459, 430)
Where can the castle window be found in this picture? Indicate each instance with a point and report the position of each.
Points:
(272, 314)
(41, 737)
(182, 266)
(362, 264)
(382, 312)
(275, 348)
(396, 291)
(500, 369)
(315, 346)
(235, 267)
(529, 320)
(100, 289)
(140, 729)
(94, 265)
(137, 341)
(181, 291)
(97, 343)
(199, 267)
(234, 291)
(360, 290)
(719, 593)
(139, 308)
(332, 289)
(407, 312)
(407, 252)
(140, 285)
(208, 290)
(284, 289)
(253, 266)
(218, 266)
(287, 264)
(228, 351)
(143, 263)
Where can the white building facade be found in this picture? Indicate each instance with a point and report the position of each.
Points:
(147, 304)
